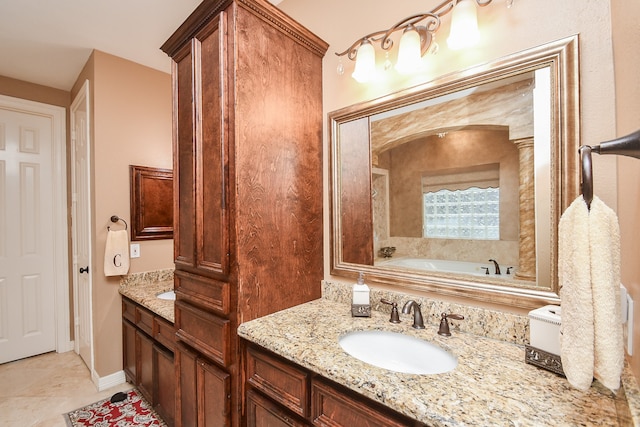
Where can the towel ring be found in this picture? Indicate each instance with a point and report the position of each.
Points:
(587, 174)
(628, 145)
(116, 218)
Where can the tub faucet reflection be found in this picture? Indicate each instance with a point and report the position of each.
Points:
(418, 321)
(387, 251)
(495, 263)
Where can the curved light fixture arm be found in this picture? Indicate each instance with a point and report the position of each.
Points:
(426, 30)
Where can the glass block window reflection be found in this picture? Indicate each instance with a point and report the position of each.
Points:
(473, 213)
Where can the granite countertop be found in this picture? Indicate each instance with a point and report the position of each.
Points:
(144, 293)
(492, 385)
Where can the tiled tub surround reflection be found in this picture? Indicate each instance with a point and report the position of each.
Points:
(492, 384)
(143, 288)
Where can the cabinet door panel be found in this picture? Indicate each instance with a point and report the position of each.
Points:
(145, 366)
(129, 310)
(206, 332)
(183, 159)
(144, 320)
(332, 408)
(164, 385)
(261, 412)
(186, 393)
(280, 380)
(214, 396)
(211, 146)
(129, 351)
(164, 333)
(205, 292)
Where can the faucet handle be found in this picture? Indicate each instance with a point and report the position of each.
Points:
(444, 324)
(395, 317)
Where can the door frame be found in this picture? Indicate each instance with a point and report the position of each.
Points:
(59, 214)
(82, 97)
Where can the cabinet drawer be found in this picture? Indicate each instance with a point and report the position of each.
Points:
(164, 333)
(144, 320)
(279, 379)
(262, 412)
(129, 310)
(204, 331)
(332, 407)
(205, 292)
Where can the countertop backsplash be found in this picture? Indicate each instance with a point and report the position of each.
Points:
(147, 277)
(479, 321)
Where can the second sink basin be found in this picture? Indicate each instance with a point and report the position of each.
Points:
(169, 295)
(398, 352)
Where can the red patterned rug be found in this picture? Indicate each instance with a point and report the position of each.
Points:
(132, 411)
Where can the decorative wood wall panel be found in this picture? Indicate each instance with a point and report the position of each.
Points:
(151, 203)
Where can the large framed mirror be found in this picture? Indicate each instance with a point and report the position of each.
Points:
(456, 186)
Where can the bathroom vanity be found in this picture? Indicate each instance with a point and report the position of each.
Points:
(148, 341)
(297, 350)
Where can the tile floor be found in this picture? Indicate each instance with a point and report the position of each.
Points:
(37, 391)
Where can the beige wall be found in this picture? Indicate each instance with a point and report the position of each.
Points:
(34, 92)
(626, 33)
(131, 124)
(505, 31)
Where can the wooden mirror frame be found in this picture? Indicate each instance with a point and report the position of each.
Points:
(562, 58)
(151, 203)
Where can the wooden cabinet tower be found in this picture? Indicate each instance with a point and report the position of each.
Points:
(247, 89)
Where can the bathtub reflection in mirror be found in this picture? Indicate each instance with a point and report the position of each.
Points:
(472, 167)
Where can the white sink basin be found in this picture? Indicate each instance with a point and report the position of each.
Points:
(169, 295)
(398, 352)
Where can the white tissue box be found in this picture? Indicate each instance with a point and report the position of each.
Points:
(544, 327)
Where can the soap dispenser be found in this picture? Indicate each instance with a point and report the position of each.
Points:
(361, 307)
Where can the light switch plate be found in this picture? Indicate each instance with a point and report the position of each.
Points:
(134, 250)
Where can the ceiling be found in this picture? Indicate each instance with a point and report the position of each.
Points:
(48, 42)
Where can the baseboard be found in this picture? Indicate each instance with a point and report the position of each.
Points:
(104, 383)
(65, 346)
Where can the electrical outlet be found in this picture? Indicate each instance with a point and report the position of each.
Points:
(134, 250)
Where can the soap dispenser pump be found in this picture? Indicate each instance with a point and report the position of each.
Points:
(361, 306)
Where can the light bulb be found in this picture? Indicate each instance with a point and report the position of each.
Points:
(409, 52)
(464, 25)
(365, 63)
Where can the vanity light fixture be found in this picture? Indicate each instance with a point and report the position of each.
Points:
(418, 36)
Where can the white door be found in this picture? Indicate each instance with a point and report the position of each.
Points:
(80, 191)
(29, 262)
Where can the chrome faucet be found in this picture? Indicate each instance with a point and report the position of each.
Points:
(495, 263)
(418, 322)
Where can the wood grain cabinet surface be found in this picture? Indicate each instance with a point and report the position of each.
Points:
(247, 117)
(281, 393)
(148, 343)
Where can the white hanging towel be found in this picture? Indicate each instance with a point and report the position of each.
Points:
(576, 298)
(591, 341)
(604, 234)
(116, 253)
